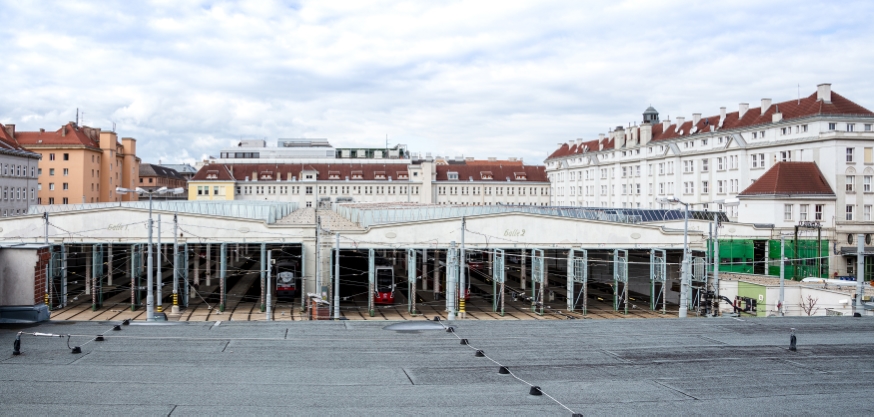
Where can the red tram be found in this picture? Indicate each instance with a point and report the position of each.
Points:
(385, 285)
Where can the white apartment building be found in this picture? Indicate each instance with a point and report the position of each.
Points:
(709, 161)
(459, 182)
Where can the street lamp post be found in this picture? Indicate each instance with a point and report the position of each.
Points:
(150, 297)
(684, 274)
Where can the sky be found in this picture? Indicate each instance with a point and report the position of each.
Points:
(453, 78)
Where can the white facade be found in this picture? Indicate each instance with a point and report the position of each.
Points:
(709, 167)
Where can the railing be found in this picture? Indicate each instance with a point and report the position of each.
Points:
(268, 211)
(367, 215)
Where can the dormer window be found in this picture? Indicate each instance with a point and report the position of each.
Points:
(521, 176)
(333, 175)
(453, 176)
(211, 175)
(486, 175)
(357, 175)
(266, 175)
(403, 175)
(379, 175)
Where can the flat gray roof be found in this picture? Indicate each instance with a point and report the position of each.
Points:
(594, 367)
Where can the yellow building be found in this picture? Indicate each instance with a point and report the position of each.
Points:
(213, 183)
(81, 164)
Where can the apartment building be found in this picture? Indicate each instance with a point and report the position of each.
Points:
(459, 181)
(710, 161)
(154, 176)
(18, 178)
(81, 164)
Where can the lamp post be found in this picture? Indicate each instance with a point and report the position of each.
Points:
(684, 273)
(150, 297)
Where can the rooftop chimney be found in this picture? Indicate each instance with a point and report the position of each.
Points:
(10, 129)
(680, 121)
(696, 117)
(824, 92)
(665, 124)
(722, 113)
(742, 110)
(766, 104)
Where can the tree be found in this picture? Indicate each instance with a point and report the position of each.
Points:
(809, 305)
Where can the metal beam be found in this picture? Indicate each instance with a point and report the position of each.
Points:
(499, 279)
(620, 275)
(411, 281)
(371, 280)
(537, 278)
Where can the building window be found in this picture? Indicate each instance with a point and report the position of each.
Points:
(866, 183)
(705, 187)
(787, 212)
(832, 126)
(51, 157)
(851, 183)
(850, 208)
(850, 154)
(51, 172)
(51, 200)
(309, 203)
(786, 156)
(66, 186)
(309, 190)
(784, 130)
(867, 127)
(705, 165)
(51, 186)
(802, 211)
(851, 127)
(215, 190)
(867, 212)
(66, 158)
(66, 172)
(65, 200)
(720, 163)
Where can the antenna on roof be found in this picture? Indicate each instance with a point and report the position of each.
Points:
(113, 126)
(77, 116)
(799, 93)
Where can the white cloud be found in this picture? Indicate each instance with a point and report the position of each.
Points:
(458, 77)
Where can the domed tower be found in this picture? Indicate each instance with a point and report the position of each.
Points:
(651, 115)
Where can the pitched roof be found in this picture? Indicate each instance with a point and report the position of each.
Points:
(68, 134)
(790, 109)
(275, 172)
(152, 170)
(798, 178)
(6, 140)
(498, 170)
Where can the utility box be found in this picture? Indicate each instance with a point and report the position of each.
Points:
(319, 309)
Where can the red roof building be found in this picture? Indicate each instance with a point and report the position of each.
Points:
(466, 182)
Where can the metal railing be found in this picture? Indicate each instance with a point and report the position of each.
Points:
(268, 211)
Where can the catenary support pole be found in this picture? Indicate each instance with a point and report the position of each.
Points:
(462, 281)
(175, 308)
(223, 275)
(269, 307)
(781, 301)
(716, 267)
(208, 266)
(159, 294)
(337, 277)
(685, 275)
(860, 273)
(150, 295)
(264, 266)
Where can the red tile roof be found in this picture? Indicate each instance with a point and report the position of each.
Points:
(790, 178)
(69, 134)
(239, 172)
(6, 140)
(499, 171)
(791, 109)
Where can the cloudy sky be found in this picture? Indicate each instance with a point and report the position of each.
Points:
(474, 78)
